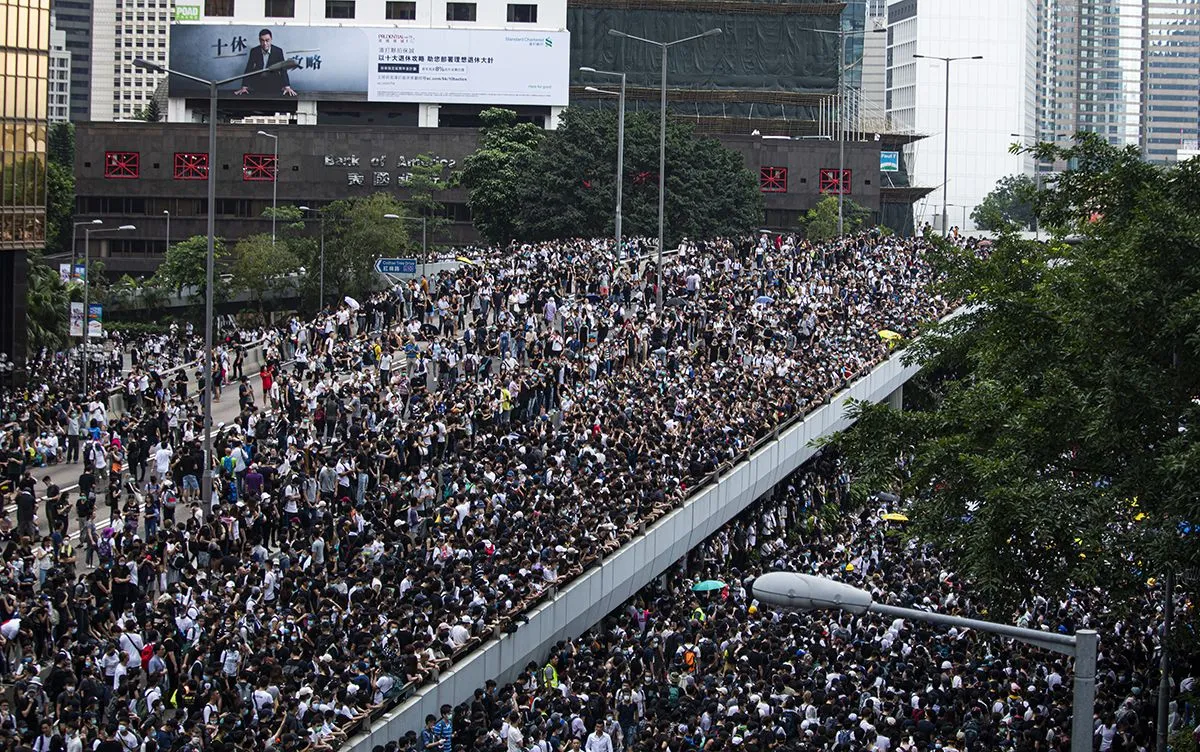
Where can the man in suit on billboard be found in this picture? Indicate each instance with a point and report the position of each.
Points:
(263, 56)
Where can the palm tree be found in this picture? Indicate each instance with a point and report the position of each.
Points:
(47, 307)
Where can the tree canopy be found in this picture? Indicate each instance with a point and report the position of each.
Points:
(1009, 205)
(529, 184)
(357, 233)
(1061, 448)
(821, 222)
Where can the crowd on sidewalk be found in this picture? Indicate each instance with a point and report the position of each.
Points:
(420, 468)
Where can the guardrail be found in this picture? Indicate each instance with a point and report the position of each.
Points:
(592, 595)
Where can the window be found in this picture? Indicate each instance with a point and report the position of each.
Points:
(218, 8)
(829, 181)
(522, 13)
(401, 10)
(460, 11)
(121, 164)
(279, 8)
(772, 179)
(233, 207)
(258, 167)
(339, 8)
(191, 166)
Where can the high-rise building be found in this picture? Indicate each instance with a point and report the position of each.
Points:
(989, 98)
(119, 91)
(74, 18)
(24, 69)
(1171, 115)
(60, 76)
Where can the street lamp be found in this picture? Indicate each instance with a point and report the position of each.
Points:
(87, 273)
(620, 141)
(946, 135)
(841, 95)
(274, 182)
(806, 592)
(662, 138)
(321, 294)
(424, 247)
(167, 212)
(75, 239)
(206, 482)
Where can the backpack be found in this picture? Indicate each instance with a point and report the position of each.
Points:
(147, 653)
(844, 739)
(689, 658)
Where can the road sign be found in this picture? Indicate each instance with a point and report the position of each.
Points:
(396, 266)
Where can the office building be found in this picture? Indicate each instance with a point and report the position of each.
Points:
(60, 76)
(25, 68)
(118, 90)
(74, 19)
(990, 99)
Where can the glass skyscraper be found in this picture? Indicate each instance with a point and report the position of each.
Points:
(24, 71)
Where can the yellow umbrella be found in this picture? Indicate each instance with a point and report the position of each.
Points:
(465, 260)
(889, 336)
(894, 517)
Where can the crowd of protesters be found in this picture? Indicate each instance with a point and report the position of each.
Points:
(417, 470)
(680, 670)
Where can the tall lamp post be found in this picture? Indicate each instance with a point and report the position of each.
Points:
(206, 482)
(75, 239)
(620, 142)
(841, 34)
(87, 283)
(662, 139)
(946, 135)
(321, 294)
(806, 592)
(274, 181)
(424, 247)
(167, 212)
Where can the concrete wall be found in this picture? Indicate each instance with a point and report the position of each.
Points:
(592, 596)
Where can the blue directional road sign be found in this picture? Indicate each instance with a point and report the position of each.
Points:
(396, 266)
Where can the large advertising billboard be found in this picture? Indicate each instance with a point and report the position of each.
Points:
(441, 66)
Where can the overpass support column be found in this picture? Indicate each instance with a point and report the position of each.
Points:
(895, 400)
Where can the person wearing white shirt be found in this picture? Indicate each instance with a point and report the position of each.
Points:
(514, 738)
(599, 741)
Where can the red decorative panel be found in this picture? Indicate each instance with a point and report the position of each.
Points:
(121, 164)
(191, 165)
(772, 179)
(258, 167)
(829, 181)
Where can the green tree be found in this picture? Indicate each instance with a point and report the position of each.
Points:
(261, 267)
(151, 112)
(493, 174)
(60, 187)
(821, 222)
(185, 266)
(1062, 449)
(565, 183)
(356, 233)
(1009, 205)
(47, 304)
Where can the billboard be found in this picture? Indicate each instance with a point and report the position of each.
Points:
(889, 161)
(439, 66)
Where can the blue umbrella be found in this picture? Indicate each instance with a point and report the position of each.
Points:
(701, 587)
(764, 299)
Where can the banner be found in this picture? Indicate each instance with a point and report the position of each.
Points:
(447, 66)
(76, 328)
(64, 273)
(889, 161)
(95, 320)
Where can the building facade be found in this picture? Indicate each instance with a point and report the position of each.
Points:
(60, 76)
(134, 173)
(118, 90)
(74, 19)
(989, 99)
(24, 74)
(423, 63)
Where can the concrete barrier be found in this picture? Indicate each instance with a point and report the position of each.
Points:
(590, 597)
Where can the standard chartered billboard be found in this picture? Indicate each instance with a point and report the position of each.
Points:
(490, 66)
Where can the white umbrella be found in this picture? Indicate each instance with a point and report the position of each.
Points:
(352, 303)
